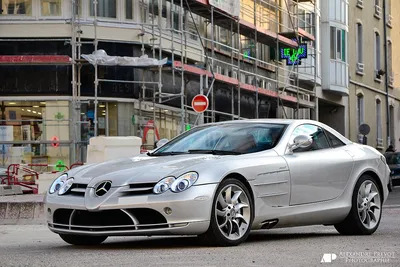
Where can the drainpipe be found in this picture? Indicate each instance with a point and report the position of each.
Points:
(386, 75)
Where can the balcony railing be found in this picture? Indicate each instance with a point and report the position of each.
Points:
(378, 11)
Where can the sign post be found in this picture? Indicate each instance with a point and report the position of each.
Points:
(200, 103)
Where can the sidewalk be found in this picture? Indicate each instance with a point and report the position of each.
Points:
(22, 209)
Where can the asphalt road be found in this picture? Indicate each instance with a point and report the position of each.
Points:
(35, 245)
(394, 197)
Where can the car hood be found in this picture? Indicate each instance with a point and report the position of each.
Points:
(139, 169)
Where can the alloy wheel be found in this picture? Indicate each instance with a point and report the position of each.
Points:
(232, 211)
(369, 204)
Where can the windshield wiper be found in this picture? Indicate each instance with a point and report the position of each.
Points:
(214, 152)
(172, 153)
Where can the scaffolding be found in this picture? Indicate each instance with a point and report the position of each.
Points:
(248, 63)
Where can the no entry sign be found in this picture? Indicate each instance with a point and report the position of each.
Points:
(200, 103)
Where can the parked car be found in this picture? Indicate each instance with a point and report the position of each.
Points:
(220, 181)
(393, 160)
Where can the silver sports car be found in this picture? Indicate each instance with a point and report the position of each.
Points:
(221, 180)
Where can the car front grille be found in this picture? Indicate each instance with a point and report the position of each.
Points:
(77, 190)
(133, 190)
(139, 189)
(108, 220)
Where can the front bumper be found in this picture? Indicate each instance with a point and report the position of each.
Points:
(115, 214)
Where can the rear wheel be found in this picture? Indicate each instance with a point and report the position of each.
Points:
(365, 214)
(83, 240)
(231, 215)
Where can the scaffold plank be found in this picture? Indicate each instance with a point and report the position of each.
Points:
(35, 59)
(232, 81)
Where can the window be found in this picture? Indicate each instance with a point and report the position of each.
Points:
(389, 51)
(16, 7)
(359, 37)
(335, 142)
(377, 52)
(319, 138)
(232, 138)
(105, 8)
(50, 7)
(338, 44)
(129, 9)
(379, 121)
(360, 110)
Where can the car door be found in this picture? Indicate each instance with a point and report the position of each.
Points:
(321, 171)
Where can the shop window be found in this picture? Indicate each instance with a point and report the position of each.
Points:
(27, 129)
(105, 8)
(50, 7)
(16, 7)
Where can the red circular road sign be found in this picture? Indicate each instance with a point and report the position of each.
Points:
(55, 144)
(200, 103)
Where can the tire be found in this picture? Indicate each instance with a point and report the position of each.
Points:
(390, 184)
(233, 222)
(354, 224)
(82, 240)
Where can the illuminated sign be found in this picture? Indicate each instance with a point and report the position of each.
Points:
(293, 56)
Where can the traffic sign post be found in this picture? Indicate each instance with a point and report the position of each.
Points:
(200, 103)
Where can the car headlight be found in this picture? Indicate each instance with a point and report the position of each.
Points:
(58, 183)
(184, 181)
(67, 185)
(163, 185)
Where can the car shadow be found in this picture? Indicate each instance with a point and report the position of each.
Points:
(188, 242)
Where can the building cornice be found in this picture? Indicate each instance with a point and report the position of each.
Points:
(374, 89)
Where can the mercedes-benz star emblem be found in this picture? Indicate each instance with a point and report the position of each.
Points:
(102, 188)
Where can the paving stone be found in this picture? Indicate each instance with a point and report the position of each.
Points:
(3, 210)
(13, 210)
(27, 210)
(39, 210)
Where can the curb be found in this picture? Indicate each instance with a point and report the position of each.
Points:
(17, 213)
(395, 206)
(22, 210)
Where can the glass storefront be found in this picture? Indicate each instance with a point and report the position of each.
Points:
(28, 129)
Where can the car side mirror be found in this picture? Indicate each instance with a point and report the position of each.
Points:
(300, 141)
(161, 142)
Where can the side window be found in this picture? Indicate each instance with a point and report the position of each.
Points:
(334, 140)
(319, 138)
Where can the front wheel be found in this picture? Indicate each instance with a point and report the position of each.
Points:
(231, 215)
(365, 214)
(82, 240)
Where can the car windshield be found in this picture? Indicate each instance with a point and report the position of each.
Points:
(233, 138)
(392, 158)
